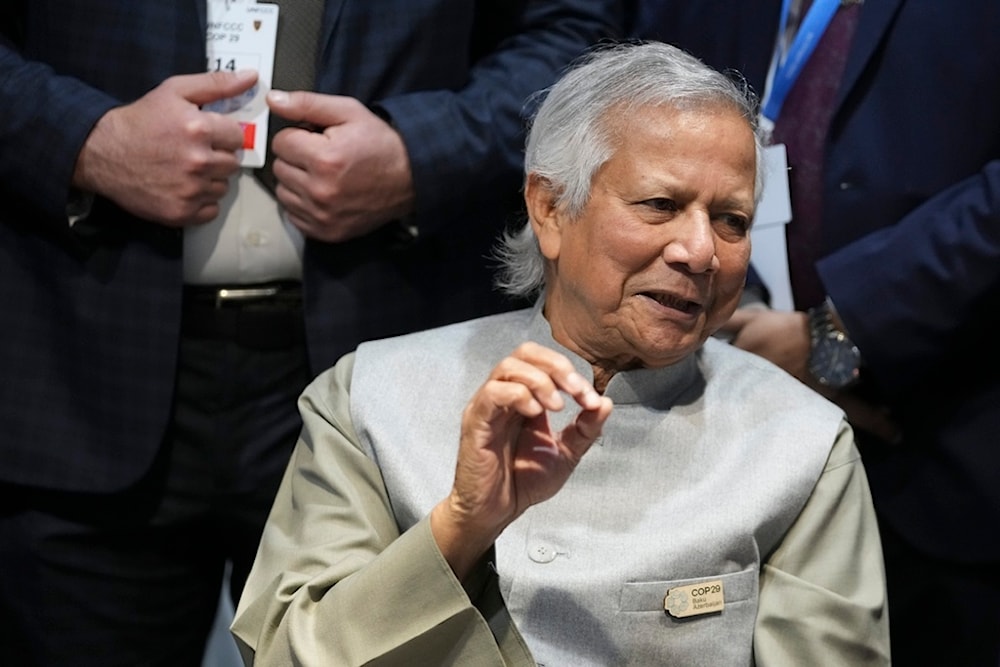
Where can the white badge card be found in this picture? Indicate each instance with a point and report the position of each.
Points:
(242, 34)
(769, 254)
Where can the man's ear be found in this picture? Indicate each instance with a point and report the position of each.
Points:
(543, 214)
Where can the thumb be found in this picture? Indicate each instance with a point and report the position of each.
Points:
(207, 87)
(580, 434)
(314, 109)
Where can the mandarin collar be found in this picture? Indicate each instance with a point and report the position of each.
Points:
(653, 387)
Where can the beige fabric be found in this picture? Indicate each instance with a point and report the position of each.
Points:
(822, 592)
(334, 583)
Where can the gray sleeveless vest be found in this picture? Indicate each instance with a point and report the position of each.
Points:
(701, 469)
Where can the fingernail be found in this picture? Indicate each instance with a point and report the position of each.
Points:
(277, 97)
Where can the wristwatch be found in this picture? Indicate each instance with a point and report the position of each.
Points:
(834, 359)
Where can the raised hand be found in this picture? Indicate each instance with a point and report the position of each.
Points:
(509, 458)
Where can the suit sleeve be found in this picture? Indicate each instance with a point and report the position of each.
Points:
(936, 273)
(335, 583)
(459, 140)
(45, 119)
(822, 592)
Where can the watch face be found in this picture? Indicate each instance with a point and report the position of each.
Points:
(834, 361)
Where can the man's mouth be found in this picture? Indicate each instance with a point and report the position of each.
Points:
(674, 302)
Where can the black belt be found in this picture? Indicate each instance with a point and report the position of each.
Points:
(260, 316)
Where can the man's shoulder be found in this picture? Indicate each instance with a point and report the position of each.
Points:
(754, 380)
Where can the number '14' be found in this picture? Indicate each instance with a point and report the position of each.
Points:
(219, 64)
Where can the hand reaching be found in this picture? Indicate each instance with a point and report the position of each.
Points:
(778, 336)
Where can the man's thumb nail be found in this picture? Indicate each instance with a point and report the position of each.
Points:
(277, 97)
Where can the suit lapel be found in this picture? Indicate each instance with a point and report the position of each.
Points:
(331, 15)
(876, 17)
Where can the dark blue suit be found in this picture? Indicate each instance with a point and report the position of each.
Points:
(89, 341)
(93, 314)
(911, 257)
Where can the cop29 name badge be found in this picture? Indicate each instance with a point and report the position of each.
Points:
(242, 35)
(706, 597)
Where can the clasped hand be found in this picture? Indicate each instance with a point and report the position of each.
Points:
(165, 159)
(509, 458)
(346, 180)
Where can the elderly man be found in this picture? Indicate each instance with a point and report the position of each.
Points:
(620, 489)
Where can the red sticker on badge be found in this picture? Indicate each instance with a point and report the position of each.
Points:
(249, 133)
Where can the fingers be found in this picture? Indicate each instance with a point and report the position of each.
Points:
(209, 87)
(588, 425)
(164, 158)
(295, 148)
(223, 132)
(342, 171)
(226, 136)
(509, 459)
(314, 108)
(544, 373)
(181, 126)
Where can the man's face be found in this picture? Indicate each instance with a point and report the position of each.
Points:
(657, 260)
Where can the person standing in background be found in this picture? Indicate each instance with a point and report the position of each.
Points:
(894, 255)
(166, 304)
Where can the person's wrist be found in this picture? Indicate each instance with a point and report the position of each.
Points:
(462, 542)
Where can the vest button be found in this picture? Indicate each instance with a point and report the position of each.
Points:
(541, 553)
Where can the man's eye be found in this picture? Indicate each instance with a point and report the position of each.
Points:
(737, 222)
(661, 204)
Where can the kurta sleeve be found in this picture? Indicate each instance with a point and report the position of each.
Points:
(822, 591)
(335, 583)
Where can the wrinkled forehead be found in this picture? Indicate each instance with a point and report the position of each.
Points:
(625, 120)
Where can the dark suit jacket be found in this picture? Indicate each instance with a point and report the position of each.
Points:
(89, 339)
(911, 226)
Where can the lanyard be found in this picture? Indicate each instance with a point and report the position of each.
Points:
(788, 63)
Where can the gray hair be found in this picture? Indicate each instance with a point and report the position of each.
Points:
(572, 134)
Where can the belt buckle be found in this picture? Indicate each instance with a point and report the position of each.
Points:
(234, 294)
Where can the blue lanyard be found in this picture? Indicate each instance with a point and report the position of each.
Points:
(786, 65)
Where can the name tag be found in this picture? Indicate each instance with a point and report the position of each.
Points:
(695, 599)
(242, 34)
